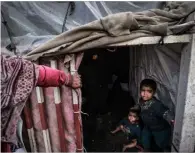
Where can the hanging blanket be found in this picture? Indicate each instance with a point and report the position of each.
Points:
(18, 78)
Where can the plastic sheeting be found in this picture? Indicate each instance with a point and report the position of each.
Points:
(33, 23)
(161, 63)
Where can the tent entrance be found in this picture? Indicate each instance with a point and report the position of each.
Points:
(171, 66)
(106, 98)
(111, 80)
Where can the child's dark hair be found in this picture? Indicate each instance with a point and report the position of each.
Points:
(148, 83)
(135, 109)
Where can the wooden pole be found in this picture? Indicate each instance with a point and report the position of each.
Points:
(77, 121)
(58, 104)
(184, 128)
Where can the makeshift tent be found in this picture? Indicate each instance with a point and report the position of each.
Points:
(162, 63)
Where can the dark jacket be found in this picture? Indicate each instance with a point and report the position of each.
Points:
(133, 131)
(155, 116)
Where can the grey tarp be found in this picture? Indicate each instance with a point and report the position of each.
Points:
(160, 63)
(33, 23)
(119, 27)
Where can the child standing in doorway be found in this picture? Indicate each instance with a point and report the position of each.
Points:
(130, 131)
(156, 118)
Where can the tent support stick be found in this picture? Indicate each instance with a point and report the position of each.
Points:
(184, 129)
(77, 121)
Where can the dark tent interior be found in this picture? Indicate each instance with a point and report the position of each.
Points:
(104, 98)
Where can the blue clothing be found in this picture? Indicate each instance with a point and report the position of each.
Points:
(156, 119)
(161, 139)
(155, 115)
(133, 131)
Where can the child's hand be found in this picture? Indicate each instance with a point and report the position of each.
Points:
(75, 81)
(124, 147)
(112, 132)
(122, 128)
(172, 122)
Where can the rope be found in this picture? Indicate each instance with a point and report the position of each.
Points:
(71, 5)
(112, 50)
(78, 112)
(73, 71)
(85, 150)
(175, 148)
(82, 149)
(65, 18)
(11, 46)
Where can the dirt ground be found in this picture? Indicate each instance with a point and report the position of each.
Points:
(97, 133)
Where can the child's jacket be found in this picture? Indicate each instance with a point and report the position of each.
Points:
(155, 115)
(133, 131)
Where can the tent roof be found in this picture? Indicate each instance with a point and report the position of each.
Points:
(119, 28)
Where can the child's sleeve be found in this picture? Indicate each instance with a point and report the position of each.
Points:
(138, 133)
(122, 122)
(163, 112)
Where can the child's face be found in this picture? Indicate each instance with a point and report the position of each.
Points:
(133, 117)
(146, 93)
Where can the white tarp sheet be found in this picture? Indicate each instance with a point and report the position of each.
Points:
(33, 23)
(161, 63)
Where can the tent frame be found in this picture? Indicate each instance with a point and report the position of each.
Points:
(186, 38)
(184, 129)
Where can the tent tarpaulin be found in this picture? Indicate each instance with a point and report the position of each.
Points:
(161, 63)
(118, 28)
(33, 23)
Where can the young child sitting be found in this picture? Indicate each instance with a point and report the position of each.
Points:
(155, 117)
(131, 130)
